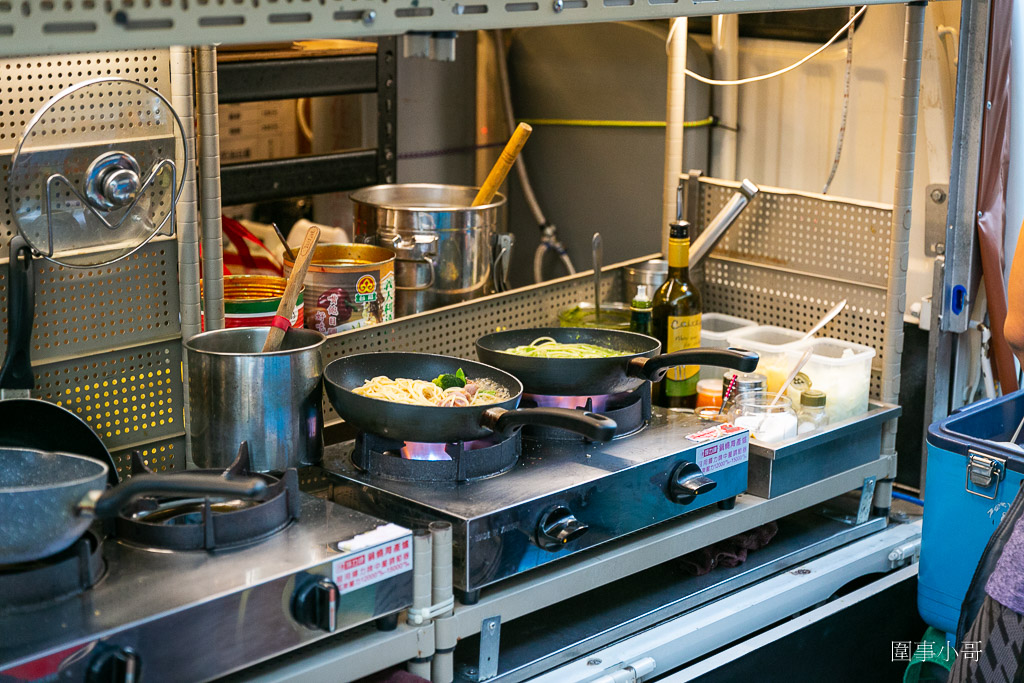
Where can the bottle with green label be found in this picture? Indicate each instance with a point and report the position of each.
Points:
(676, 321)
(640, 312)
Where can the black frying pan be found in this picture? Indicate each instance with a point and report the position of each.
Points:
(26, 422)
(639, 363)
(435, 424)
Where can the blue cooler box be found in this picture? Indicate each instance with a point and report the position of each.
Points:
(969, 485)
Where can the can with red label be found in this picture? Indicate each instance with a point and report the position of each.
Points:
(252, 301)
(348, 286)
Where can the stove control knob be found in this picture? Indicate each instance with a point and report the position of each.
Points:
(686, 482)
(558, 527)
(315, 604)
(114, 664)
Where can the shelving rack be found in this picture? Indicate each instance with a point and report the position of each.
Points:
(42, 27)
(248, 78)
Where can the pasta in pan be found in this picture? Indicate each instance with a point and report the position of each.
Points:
(424, 393)
(547, 347)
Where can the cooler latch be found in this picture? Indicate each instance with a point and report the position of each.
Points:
(983, 471)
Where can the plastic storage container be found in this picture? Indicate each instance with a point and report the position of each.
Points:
(715, 329)
(839, 368)
(970, 482)
(773, 344)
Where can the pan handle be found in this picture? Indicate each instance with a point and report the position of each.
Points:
(108, 503)
(17, 369)
(591, 425)
(655, 368)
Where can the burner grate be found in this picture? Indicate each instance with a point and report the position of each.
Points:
(631, 412)
(210, 524)
(453, 462)
(54, 578)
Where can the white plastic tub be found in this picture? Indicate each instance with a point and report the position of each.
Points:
(774, 345)
(715, 329)
(842, 370)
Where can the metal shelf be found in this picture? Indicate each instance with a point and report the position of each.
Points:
(38, 27)
(297, 176)
(282, 79)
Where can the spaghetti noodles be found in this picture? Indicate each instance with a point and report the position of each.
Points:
(423, 393)
(547, 347)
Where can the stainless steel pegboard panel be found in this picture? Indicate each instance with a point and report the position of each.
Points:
(27, 84)
(45, 26)
(129, 396)
(453, 330)
(839, 239)
(798, 302)
(85, 311)
(160, 456)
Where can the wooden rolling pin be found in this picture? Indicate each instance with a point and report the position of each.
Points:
(503, 165)
(282, 321)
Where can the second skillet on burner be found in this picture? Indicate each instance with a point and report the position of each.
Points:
(639, 363)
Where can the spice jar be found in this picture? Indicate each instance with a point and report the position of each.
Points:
(709, 393)
(812, 413)
(769, 420)
(746, 383)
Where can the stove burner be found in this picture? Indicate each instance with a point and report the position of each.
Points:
(54, 578)
(455, 462)
(209, 524)
(631, 411)
(596, 404)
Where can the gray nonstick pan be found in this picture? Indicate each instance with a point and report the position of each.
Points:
(27, 422)
(48, 500)
(638, 363)
(436, 424)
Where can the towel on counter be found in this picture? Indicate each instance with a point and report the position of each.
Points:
(731, 552)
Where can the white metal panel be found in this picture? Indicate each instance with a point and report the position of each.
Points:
(48, 26)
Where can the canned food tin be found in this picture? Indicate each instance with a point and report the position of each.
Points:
(348, 286)
(252, 301)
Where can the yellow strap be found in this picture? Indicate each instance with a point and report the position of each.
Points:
(588, 123)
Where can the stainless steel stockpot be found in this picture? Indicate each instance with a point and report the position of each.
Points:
(271, 400)
(446, 249)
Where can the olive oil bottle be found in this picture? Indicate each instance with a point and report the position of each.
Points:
(675, 316)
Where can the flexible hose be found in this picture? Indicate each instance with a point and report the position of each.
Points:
(538, 258)
(908, 498)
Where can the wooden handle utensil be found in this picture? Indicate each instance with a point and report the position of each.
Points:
(281, 321)
(503, 165)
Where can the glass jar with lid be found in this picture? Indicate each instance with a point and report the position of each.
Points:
(769, 419)
(746, 383)
(812, 413)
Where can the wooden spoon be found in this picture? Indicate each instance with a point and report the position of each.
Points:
(503, 165)
(291, 291)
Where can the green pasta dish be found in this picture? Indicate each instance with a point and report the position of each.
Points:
(547, 347)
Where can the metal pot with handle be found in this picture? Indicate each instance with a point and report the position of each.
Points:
(447, 250)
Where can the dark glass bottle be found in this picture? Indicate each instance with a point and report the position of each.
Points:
(676, 321)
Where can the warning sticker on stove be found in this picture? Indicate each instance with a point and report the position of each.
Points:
(715, 432)
(726, 453)
(374, 564)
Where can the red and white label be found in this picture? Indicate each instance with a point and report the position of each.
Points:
(718, 431)
(375, 563)
(733, 450)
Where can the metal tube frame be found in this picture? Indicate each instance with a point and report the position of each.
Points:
(209, 192)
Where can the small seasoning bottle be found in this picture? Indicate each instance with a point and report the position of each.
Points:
(812, 413)
(640, 312)
(709, 393)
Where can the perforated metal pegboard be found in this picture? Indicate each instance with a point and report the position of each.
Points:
(453, 330)
(132, 396)
(82, 311)
(791, 256)
(27, 84)
(159, 456)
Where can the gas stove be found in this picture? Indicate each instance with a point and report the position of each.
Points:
(531, 499)
(195, 589)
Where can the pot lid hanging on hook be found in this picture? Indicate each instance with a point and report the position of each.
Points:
(97, 171)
